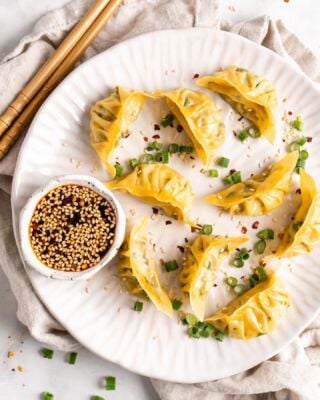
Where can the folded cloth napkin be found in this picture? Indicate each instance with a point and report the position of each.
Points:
(292, 374)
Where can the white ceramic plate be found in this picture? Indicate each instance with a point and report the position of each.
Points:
(98, 313)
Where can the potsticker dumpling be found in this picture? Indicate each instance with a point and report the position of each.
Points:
(252, 96)
(254, 313)
(201, 266)
(138, 269)
(160, 185)
(200, 118)
(261, 193)
(304, 231)
(110, 119)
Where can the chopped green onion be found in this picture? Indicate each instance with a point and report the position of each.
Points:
(176, 304)
(206, 229)
(167, 120)
(171, 265)
(72, 358)
(207, 331)
(119, 170)
(190, 319)
(239, 289)
(213, 173)
(231, 281)
(219, 336)
(158, 157)
(253, 279)
(235, 177)
(154, 146)
(194, 332)
(138, 306)
(304, 155)
(300, 164)
(297, 225)
(47, 396)
(301, 141)
(238, 263)
(97, 398)
(254, 132)
(165, 157)
(294, 146)
(186, 149)
(173, 148)
(47, 353)
(298, 124)
(110, 383)
(266, 234)
(223, 162)
(260, 246)
(145, 158)
(244, 254)
(261, 272)
(243, 135)
(133, 163)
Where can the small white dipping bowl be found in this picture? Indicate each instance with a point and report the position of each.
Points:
(26, 213)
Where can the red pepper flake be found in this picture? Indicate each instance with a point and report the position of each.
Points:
(280, 236)
(161, 261)
(186, 240)
(289, 112)
(283, 140)
(171, 125)
(234, 133)
(168, 222)
(155, 210)
(232, 171)
(181, 248)
(179, 128)
(215, 285)
(244, 230)
(255, 225)
(298, 191)
(309, 139)
(286, 1)
(251, 175)
(292, 218)
(195, 76)
(145, 139)
(240, 118)
(192, 158)
(196, 228)
(156, 127)
(156, 137)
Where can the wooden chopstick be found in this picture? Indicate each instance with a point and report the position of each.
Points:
(14, 131)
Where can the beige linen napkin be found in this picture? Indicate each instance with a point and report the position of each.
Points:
(292, 374)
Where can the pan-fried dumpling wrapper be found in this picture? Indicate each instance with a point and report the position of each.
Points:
(200, 118)
(138, 269)
(159, 185)
(261, 193)
(110, 119)
(201, 266)
(304, 231)
(252, 96)
(254, 313)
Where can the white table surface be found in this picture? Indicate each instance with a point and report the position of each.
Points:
(82, 380)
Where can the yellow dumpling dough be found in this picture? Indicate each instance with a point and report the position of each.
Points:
(200, 118)
(260, 194)
(138, 269)
(254, 313)
(110, 119)
(304, 231)
(160, 185)
(252, 96)
(201, 266)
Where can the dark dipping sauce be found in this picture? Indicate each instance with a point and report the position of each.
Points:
(72, 228)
